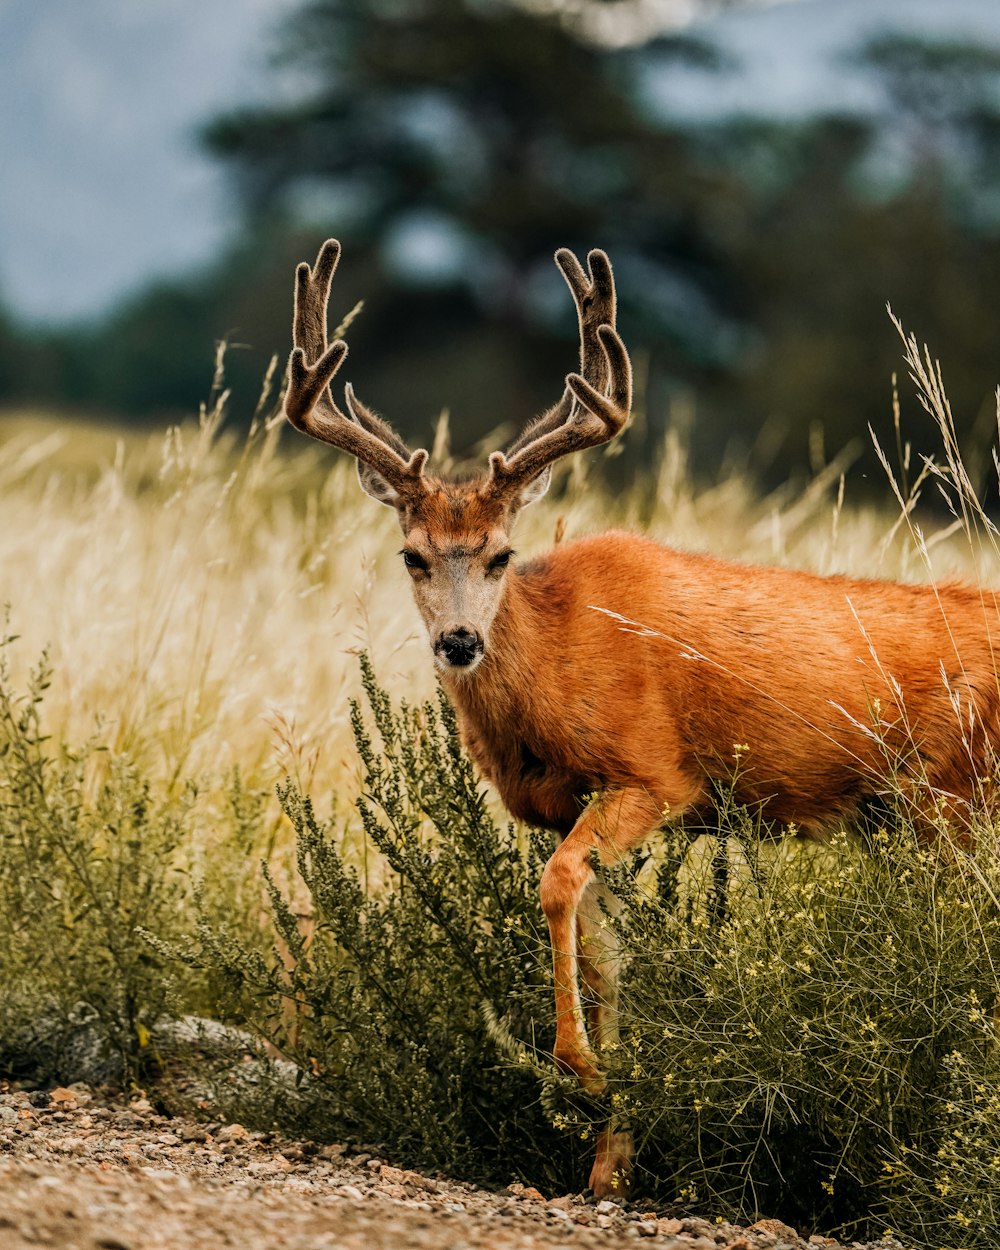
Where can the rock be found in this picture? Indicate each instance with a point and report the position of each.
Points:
(782, 1231)
(262, 1168)
(232, 1132)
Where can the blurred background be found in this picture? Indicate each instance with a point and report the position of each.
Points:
(765, 177)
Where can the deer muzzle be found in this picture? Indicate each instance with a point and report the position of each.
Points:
(459, 648)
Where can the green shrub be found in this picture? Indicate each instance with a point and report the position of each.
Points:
(88, 854)
(823, 1048)
(808, 1032)
(387, 975)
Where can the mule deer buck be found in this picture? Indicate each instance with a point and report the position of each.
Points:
(602, 732)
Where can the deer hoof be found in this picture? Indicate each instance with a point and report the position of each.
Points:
(611, 1175)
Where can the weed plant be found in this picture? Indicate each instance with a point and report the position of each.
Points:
(384, 976)
(82, 866)
(808, 1030)
(822, 1045)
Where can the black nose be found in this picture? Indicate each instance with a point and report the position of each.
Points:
(460, 647)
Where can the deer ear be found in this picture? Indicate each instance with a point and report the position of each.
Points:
(374, 484)
(536, 488)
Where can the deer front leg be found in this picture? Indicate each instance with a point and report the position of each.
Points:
(598, 954)
(612, 824)
(597, 950)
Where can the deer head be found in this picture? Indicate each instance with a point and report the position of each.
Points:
(456, 534)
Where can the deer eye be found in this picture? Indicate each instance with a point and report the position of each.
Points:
(413, 561)
(500, 561)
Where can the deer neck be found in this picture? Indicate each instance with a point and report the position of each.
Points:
(502, 690)
(512, 708)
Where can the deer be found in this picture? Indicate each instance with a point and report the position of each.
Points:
(602, 687)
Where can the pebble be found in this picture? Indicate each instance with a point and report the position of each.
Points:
(231, 1133)
(350, 1191)
(261, 1169)
(133, 1157)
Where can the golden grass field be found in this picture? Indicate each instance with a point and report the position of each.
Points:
(204, 594)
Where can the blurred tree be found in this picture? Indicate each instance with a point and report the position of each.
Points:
(941, 120)
(11, 353)
(453, 146)
(816, 264)
(847, 214)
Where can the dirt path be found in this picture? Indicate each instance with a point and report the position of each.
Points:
(80, 1172)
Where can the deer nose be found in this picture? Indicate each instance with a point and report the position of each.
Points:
(459, 647)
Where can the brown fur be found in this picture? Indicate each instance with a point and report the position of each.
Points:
(799, 669)
(611, 685)
(825, 687)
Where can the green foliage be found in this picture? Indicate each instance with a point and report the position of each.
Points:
(385, 972)
(88, 854)
(825, 1050)
(808, 1031)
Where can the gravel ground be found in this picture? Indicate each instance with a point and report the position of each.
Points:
(80, 1170)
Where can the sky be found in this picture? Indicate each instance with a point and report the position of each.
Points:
(103, 185)
(794, 58)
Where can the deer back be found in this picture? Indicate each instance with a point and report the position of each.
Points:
(619, 662)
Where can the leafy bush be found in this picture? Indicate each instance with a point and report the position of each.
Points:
(807, 1030)
(824, 1047)
(88, 854)
(384, 982)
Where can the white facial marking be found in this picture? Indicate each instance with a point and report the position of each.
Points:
(458, 589)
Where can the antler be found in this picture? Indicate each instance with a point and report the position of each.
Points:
(596, 402)
(309, 405)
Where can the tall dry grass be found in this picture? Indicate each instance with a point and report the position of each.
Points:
(204, 597)
(204, 594)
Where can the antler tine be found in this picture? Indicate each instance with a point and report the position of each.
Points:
(309, 405)
(596, 402)
(594, 294)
